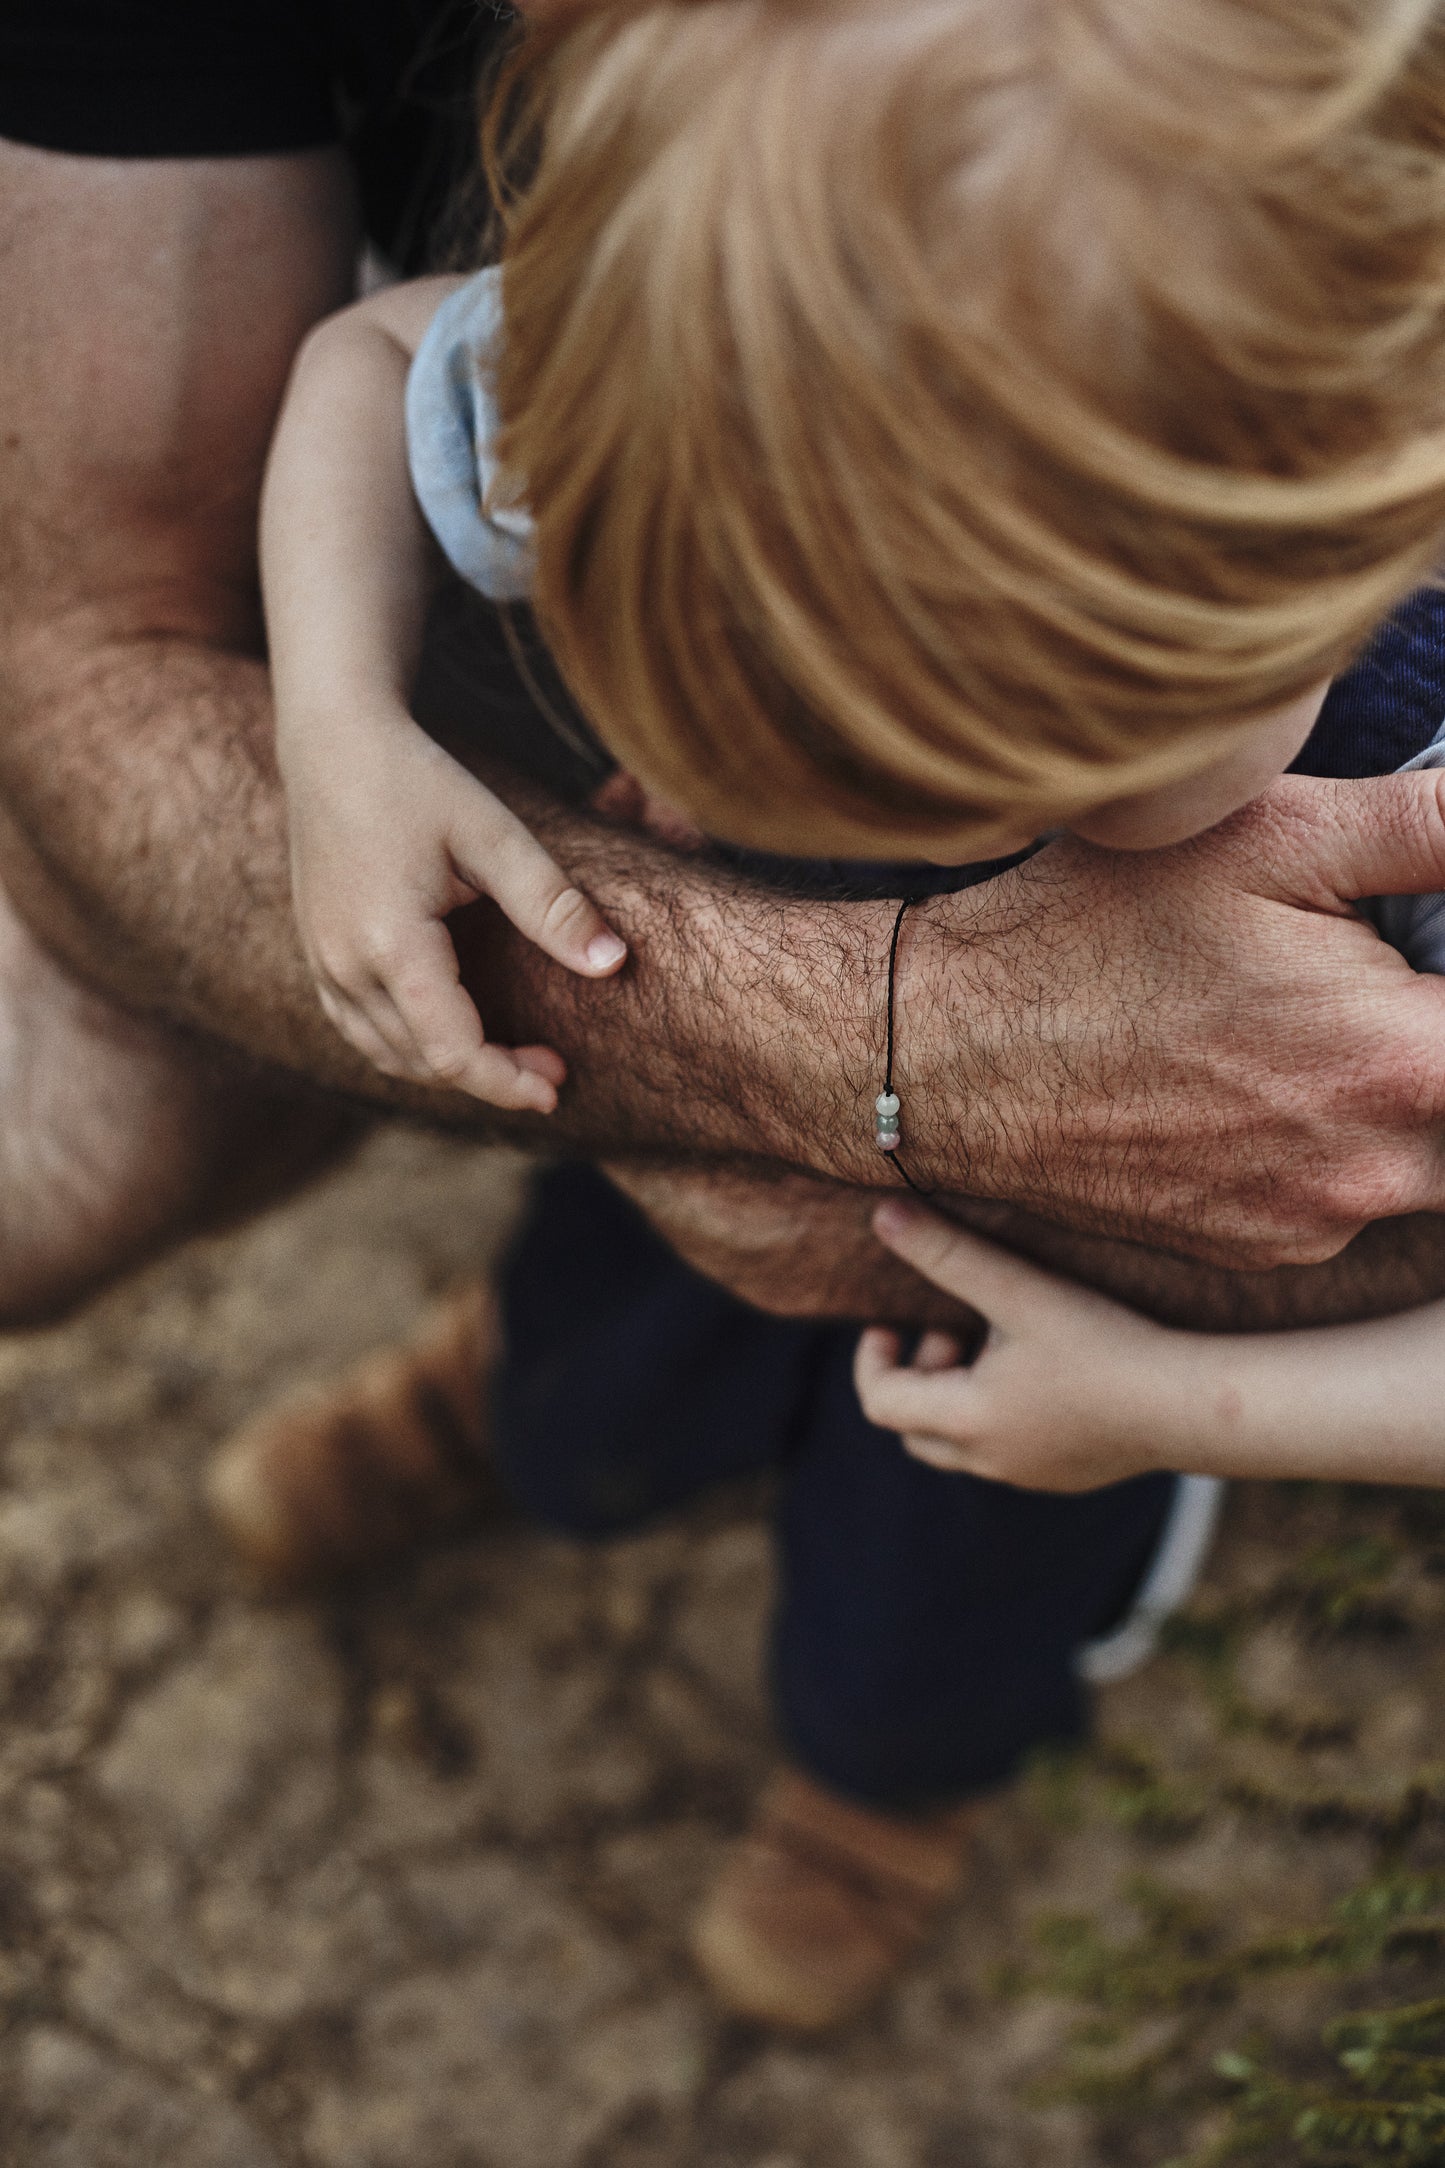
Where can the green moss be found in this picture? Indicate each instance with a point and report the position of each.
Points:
(1194, 2045)
(1342, 1585)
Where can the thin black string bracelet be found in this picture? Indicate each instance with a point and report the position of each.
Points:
(888, 1107)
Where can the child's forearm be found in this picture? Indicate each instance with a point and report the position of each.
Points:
(346, 562)
(1353, 1403)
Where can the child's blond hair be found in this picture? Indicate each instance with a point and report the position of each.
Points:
(945, 414)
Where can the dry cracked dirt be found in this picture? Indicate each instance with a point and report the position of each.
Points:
(397, 1880)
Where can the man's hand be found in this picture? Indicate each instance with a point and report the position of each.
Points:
(1202, 1048)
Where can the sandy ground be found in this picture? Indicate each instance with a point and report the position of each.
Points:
(398, 1881)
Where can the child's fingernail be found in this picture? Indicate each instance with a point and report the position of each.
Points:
(604, 951)
(891, 1219)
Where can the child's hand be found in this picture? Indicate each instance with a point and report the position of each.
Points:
(1070, 1390)
(380, 855)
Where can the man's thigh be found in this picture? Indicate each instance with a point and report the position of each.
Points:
(799, 1247)
(1393, 1264)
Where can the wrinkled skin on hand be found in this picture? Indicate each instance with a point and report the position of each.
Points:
(1204, 1048)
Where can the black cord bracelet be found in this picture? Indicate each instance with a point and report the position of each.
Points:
(888, 1107)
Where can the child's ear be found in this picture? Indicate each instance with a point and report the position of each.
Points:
(624, 800)
(620, 798)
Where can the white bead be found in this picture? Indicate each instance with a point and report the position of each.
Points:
(887, 1103)
(888, 1140)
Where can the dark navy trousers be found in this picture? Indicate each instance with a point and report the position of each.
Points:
(925, 1623)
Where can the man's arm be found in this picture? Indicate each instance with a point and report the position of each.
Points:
(1201, 1051)
(149, 313)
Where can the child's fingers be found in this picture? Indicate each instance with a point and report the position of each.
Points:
(874, 1359)
(938, 1453)
(981, 1274)
(875, 1356)
(896, 1397)
(373, 1003)
(876, 1365)
(496, 854)
(355, 998)
(455, 1053)
(419, 1023)
(466, 1062)
(422, 987)
(358, 1030)
(937, 1351)
(543, 1061)
(434, 1017)
(495, 1074)
(879, 1347)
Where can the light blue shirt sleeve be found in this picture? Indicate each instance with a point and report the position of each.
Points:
(451, 426)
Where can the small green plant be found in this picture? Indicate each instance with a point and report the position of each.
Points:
(1204, 2037)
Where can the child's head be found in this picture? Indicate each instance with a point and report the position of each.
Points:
(943, 419)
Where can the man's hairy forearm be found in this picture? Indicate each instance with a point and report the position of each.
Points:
(145, 842)
(743, 1029)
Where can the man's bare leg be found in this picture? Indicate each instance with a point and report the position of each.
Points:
(797, 1247)
(1393, 1264)
(117, 1136)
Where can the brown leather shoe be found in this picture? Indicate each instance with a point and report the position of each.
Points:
(347, 1475)
(821, 1903)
